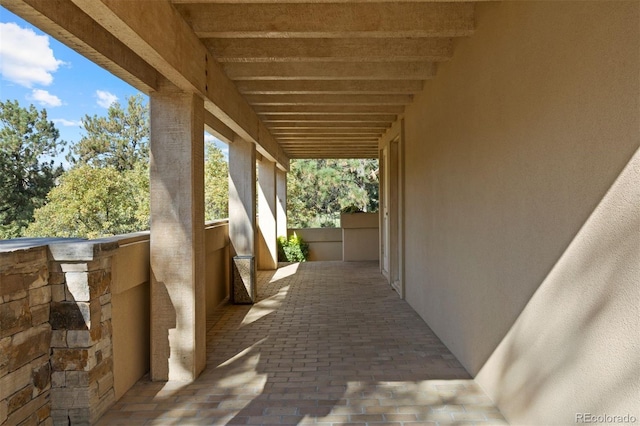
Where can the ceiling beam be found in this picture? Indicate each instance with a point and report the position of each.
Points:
(332, 154)
(71, 26)
(373, 87)
(302, 134)
(171, 47)
(324, 142)
(331, 144)
(331, 70)
(217, 128)
(356, 138)
(333, 149)
(330, 49)
(264, 110)
(353, 118)
(329, 20)
(335, 125)
(313, 1)
(329, 99)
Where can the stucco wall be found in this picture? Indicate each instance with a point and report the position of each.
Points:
(521, 252)
(360, 236)
(131, 315)
(325, 244)
(130, 298)
(217, 264)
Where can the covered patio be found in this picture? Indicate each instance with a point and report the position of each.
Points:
(508, 140)
(326, 343)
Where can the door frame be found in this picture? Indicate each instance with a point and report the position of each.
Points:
(392, 186)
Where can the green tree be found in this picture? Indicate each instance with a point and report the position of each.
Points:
(28, 143)
(216, 183)
(119, 140)
(317, 190)
(94, 202)
(106, 192)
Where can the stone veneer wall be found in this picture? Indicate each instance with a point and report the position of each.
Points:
(56, 364)
(81, 347)
(25, 334)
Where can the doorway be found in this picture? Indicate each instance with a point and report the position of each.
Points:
(391, 260)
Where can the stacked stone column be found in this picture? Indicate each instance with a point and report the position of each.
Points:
(24, 338)
(81, 347)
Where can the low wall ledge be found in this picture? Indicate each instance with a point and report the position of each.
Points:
(82, 251)
(28, 243)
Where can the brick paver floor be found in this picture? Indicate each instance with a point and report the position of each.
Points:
(327, 343)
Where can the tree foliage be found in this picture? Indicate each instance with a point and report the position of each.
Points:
(106, 192)
(317, 190)
(28, 143)
(216, 183)
(119, 140)
(93, 202)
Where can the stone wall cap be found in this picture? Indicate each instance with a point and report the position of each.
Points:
(26, 243)
(82, 250)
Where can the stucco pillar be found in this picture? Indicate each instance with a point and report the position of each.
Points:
(281, 203)
(268, 250)
(178, 317)
(242, 217)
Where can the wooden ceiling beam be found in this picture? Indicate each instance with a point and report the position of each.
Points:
(171, 48)
(265, 110)
(329, 99)
(329, 20)
(411, 70)
(70, 25)
(330, 49)
(324, 132)
(374, 125)
(204, 2)
(314, 118)
(305, 139)
(372, 87)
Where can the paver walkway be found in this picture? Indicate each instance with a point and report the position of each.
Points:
(327, 343)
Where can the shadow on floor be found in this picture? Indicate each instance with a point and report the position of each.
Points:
(328, 343)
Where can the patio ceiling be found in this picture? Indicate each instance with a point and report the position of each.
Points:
(328, 78)
(301, 79)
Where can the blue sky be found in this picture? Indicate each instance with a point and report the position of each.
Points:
(37, 69)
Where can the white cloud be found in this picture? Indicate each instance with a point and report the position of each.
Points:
(25, 57)
(67, 123)
(105, 99)
(44, 98)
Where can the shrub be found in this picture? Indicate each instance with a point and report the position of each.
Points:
(292, 250)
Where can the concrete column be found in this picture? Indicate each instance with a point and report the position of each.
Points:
(268, 249)
(281, 203)
(178, 312)
(242, 218)
(242, 197)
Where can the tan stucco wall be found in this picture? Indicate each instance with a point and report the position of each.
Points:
(325, 244)
(130, 299)
(130, 314)
(217, 264)
(360, 236)
(521, 252)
